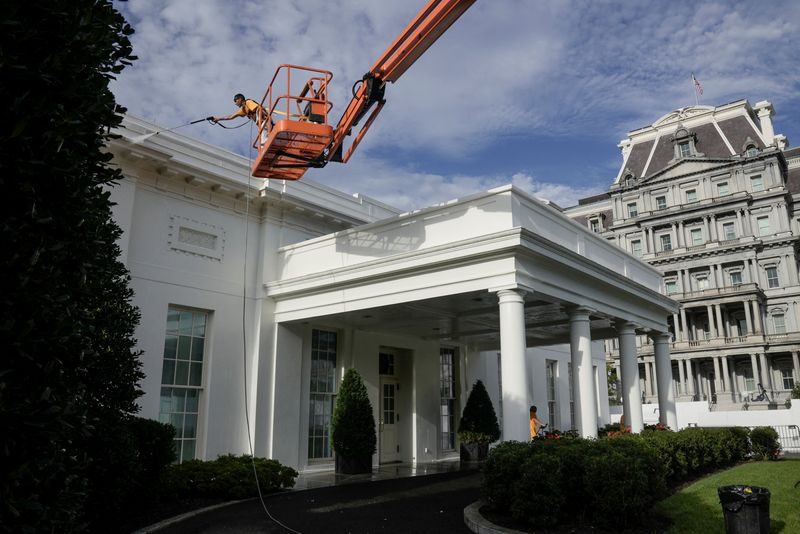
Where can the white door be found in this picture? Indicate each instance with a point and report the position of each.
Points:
(389, 445)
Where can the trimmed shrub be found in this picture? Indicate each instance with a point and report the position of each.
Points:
(764, 443)
(353, 425)
(227, 477)
(503, 466)
(538, 493)
(478, 422)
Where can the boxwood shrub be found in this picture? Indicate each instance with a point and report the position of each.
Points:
(764, 443)
(228, 477)
(611, 482)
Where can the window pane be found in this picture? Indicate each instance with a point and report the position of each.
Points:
(172, 320)
(168, 372)
(199, 324)
(195, 374)
(185, 323)
(182, 373)
(763, 226)
(756, 183)
(188, 450)
(170, 346)
(197, 349)
(184, 345)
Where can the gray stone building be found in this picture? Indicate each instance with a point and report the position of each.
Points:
(707, 196)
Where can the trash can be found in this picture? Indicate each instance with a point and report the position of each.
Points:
(746, 509)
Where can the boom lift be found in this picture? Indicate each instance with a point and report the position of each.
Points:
(294, 134)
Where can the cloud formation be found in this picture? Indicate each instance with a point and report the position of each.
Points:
(580, 71)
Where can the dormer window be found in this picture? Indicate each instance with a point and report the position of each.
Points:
(751, 151)
(594, 226)
(685, 144)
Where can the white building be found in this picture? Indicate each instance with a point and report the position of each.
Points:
(256, 295)
(709, 196)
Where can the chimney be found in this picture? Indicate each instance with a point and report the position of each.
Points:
(765, 113)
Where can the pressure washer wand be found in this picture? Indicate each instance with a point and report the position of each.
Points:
(140, 138)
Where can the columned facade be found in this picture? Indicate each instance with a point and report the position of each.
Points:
(583, 383)
(721, 226)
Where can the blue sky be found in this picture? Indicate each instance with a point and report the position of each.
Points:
(533, 92)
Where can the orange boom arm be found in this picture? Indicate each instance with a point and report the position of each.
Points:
(294, 133)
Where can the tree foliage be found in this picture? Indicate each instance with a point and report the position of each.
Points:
(478, 422)
(69, 373)
(353, 425)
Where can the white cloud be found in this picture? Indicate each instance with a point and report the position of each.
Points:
(518, 67)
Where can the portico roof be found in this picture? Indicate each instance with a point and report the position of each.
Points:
(434, 272)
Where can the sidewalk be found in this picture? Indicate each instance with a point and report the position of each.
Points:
(395, 499)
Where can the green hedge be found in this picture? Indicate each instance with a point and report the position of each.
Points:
(764, 443)
(228, 477)
(611, 482)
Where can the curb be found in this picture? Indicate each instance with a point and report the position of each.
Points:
(155, 527)
(480, 525)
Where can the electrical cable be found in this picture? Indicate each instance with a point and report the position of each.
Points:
(244, 347)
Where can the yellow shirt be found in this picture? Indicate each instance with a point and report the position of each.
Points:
(249, 109)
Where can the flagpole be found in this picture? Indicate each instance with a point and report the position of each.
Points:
(694, 90)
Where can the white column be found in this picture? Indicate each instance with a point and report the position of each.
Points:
(726, 377)
(667, 414)
(681, 235)
(681, 378)
(759, 328)
(684, 325)
(648, 379)
(723, 331)
(631, 394)
(713, 223)
(690, 378)
(766, 374)
(583, 386)
(754, 364)
(748, 318)
(717, 374)
(513, 369)
(677, 327)
(712, 330)
(796, 367)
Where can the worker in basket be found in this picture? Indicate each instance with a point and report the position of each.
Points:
(247, 108)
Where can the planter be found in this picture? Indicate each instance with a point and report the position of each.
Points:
(353, 465)
(474, 452)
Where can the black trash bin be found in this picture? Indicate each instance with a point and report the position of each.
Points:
(746, 509)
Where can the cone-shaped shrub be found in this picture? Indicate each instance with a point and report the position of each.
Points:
(478, 421)
(353, 425)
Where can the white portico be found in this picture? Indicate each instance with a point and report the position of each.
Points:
(496, 270)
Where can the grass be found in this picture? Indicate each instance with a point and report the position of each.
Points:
(696, 508)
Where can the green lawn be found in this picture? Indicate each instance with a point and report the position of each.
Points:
(696, 508)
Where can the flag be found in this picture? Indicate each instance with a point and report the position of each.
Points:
(697, 87)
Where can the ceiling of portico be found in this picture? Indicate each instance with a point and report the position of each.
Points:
(465, 318)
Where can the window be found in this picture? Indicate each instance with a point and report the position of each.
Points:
(787, 378)
(447, 407)
(756, 183)
(322, 393)
(386, 364)
(763, 226)
(661, 203)
(697, 236)
(552, 375)
(671, 287)
(751, 151)
(729, 231)
(684, 149)
(633, 211)
(772, 277)
(636, 248)
(778, 323)
(723, 189)
(594, 226)
(666, 242)
(702, 283)
(182, 377)
(691, 195)
(736, 278)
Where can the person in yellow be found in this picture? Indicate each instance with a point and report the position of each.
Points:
(536, 423)
(247, 108)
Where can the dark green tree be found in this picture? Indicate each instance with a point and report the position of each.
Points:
(353, 425)
(69, 371)
(478, 422)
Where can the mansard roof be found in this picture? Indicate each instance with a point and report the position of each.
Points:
(719, 133)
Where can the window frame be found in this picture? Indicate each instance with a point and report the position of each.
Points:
(772, 281)
(661, 202)
(761, 186)
(696, 232)
(633, 210)
(636, 248)
(765, 229)
(726, 235)
(691, 196)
